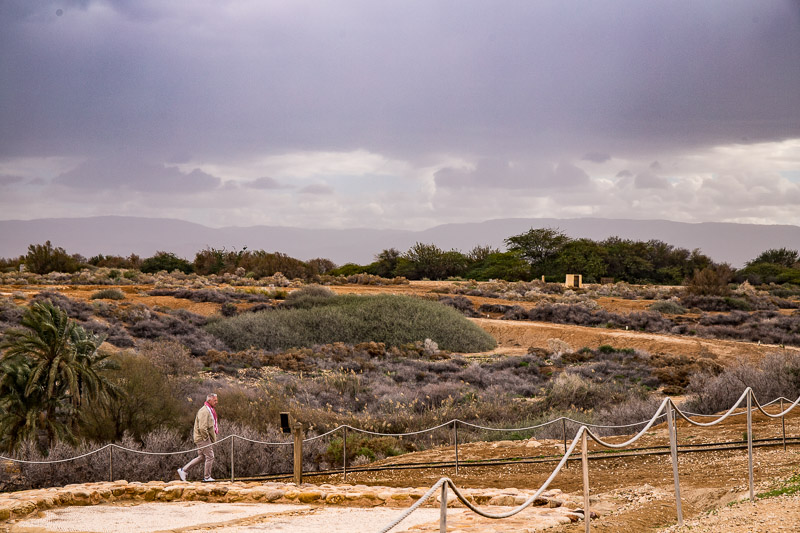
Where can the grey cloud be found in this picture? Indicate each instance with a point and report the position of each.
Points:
(649, 180)
(596, 157)
(498, 174)
(655, 165)
(109, 174)
(265, 183)
(317, 189)
(624, 174)
(10, 180)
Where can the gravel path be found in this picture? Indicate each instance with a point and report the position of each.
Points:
(194, 517)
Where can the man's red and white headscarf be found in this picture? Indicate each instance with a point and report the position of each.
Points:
(214, 414)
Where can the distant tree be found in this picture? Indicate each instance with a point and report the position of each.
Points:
(480, 253)
(540, 247)
(581, 256)
(711, 281)
(778, 256)
(385, 263)
(430, 261)
(165, 261)
(44, 258)
(320, 265)
(627, 260)
(349, 269)
(508, 266)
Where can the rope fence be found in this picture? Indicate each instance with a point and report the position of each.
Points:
(667, 409)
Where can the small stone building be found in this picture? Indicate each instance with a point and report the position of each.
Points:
(574, 281)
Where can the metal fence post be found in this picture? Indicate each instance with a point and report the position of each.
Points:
(443, 509)
(111, 463)
(673, 450)
(783, 425)
(455, 436)
(564, 435)
(344, 454)
(233, 438)
(298, 453)
(750, 444)
(585, 464)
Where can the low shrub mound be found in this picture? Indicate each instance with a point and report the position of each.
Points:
(108, 294)
(393, 320)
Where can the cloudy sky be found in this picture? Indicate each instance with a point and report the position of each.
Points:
(400, 114)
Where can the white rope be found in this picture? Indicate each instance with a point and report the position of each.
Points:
(584, 428)
(54, 461)
(450, 423)
(649, 423)
(475, 509)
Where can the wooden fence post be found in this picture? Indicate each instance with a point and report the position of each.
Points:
(455, 436)
(298, 453)
(443, 510)
(750, 444)
(673, 450)
(344, 454)
(585, 463)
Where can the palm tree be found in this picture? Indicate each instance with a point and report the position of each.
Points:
(46, 371)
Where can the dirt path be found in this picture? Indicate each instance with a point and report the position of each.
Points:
(514, 337)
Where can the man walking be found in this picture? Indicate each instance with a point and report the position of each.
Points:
(206, 429)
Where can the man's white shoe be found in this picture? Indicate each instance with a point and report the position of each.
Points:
(209, 478)
(182, 474)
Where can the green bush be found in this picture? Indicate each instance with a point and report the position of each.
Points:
(165, 261)
(108, 294)
(393, 320)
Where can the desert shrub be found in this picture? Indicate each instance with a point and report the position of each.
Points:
(494, 308)
(571, 391)
(667, 307)
(630, 411)
(582, 315)
(676, 371)
(308, 297)
(461, 304)
(76, 309)
(776, 375)
(171, 357)
(10, 313)
(394, 320)
(710, 281)
(108, 294)
(147, 401)
(360, 445)
(112, 333)
(228, 309)
(180, 325)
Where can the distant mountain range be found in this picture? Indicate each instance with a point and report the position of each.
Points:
(113, 235)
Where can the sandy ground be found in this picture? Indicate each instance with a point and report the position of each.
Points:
(191, 517)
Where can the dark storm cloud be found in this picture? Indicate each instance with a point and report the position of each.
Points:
(111, 174)
(409, 79)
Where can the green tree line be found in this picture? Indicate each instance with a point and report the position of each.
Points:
(530, 255)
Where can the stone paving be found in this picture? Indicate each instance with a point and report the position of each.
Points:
(249, 507)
